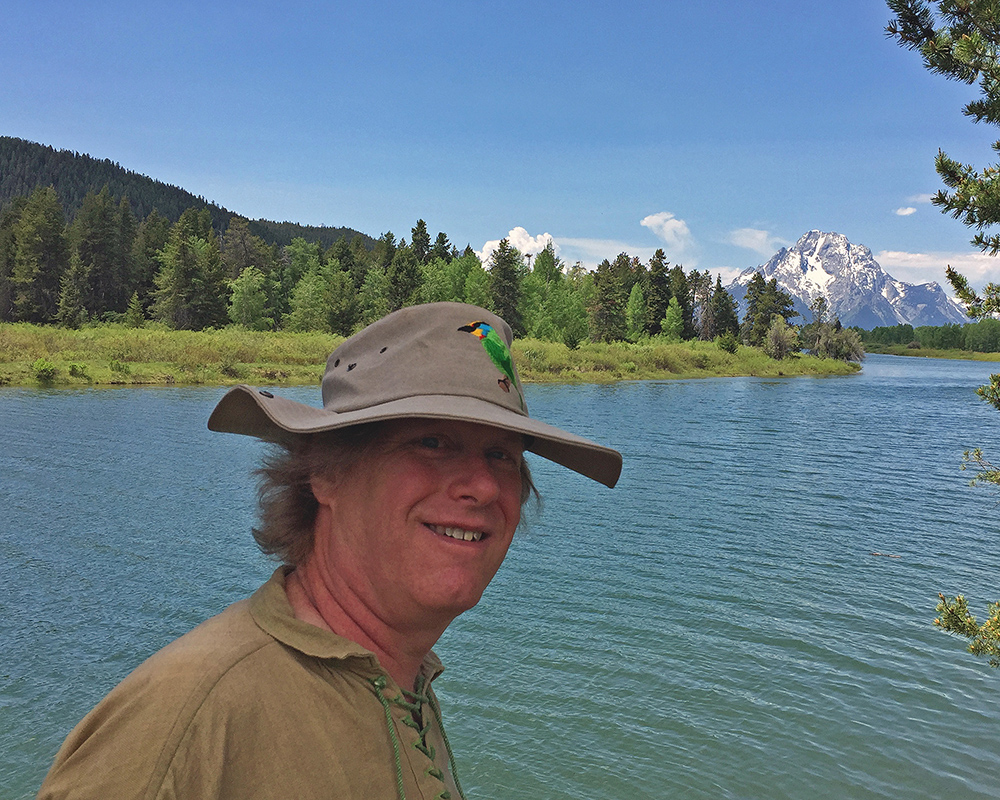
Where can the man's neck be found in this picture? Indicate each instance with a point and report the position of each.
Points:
(316, 599)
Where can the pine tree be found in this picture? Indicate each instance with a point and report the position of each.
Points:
(506, 273)
(420, 242)
(383, 252)
(242, 249)
(404, 277)
(702, 313)
(548, 266)
(95, 237)
(135, 314)
(764, 301)
(126, 227)
(724, 315)
(658, 294)
(441, 249)
(73, 285)
(8, 251)
(41, 255)
(613, 283)
(150, 238)
(681, 291)
(191, 289)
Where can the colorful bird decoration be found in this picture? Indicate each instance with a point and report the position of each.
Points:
(498, 352)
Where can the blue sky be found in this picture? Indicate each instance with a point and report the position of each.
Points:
(718, 130)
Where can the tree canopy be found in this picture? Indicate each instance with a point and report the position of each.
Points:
(960, 39)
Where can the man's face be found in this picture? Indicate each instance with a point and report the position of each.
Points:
(418, 529)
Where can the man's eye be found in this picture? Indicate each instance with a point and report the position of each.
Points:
(503, 455)
(430, 442)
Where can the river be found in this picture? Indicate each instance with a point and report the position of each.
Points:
(747, 615)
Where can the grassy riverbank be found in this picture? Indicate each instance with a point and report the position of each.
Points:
(31, 355)
(930, 352)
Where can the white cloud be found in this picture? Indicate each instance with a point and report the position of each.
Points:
(905, 212)
(919, 198)
(591, 252)
(979, 268)
(760, 242)
(728, 274)
(522, 240)
(674, 232)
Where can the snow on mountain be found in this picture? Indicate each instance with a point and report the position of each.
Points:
(856, 288)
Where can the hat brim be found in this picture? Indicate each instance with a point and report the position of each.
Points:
(248, 411)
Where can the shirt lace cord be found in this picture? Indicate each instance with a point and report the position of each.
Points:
(413, 706)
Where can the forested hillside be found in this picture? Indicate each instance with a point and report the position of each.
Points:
(83, 240)
(26, 166)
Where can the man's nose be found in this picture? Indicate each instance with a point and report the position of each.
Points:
(475, 479)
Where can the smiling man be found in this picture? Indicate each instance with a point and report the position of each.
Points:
(391, 509)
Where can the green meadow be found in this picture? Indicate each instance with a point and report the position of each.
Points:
(32, 355)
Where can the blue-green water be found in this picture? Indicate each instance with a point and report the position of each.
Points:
(715, 627)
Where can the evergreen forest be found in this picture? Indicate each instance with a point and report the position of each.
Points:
(84, 241)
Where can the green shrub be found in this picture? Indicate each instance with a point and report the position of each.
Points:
(78, 371)
(120, 367)
(727, 342)
(44, 370)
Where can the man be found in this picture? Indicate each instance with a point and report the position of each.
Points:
(391, 508)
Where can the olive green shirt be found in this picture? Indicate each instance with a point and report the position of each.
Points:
(255, 703)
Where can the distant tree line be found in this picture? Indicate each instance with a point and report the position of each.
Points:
(980, 337)
(107, 265)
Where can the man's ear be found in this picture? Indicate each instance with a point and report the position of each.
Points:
(323, 489)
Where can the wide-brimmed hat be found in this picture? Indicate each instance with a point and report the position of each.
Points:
(440, 360)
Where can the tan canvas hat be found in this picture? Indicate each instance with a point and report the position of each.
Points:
(440, 360)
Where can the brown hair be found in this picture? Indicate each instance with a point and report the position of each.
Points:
(287, 508)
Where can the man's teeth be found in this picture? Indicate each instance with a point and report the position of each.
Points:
(458, 533)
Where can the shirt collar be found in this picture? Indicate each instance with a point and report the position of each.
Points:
(272, 612)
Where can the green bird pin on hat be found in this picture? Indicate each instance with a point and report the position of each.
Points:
(499, 354)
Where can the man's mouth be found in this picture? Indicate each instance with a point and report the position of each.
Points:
(457, 533)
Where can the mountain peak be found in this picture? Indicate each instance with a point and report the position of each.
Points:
(858, 291)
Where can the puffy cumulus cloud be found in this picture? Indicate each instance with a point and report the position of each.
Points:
(979, 268)
(906, 211)
(674, 232)
(525, 243)
(761, 242)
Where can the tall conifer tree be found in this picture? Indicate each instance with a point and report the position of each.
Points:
(507, 270)
(41, 255)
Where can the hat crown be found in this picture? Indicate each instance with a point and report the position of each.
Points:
(451, 349)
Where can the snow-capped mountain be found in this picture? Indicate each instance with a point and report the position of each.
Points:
(856, 288)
